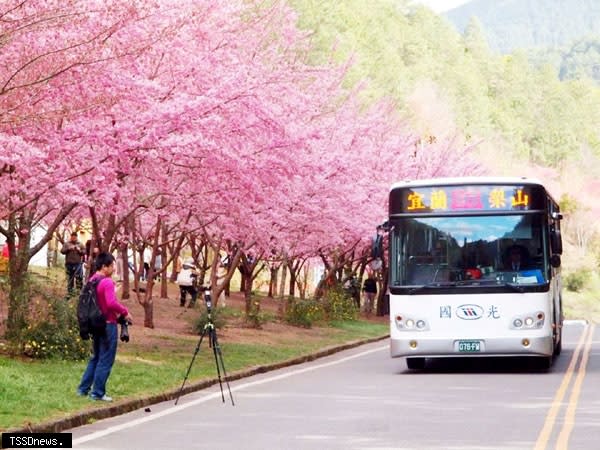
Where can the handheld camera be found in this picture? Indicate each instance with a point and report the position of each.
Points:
(124, 335)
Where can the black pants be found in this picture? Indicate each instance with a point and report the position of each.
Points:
(183, 290)
(74, 276)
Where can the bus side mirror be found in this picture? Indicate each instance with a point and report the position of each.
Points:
(556, 242)
(555, 261)
(377, 246)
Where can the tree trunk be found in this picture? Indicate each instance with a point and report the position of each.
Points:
(273, 282)
(303, 285)
(293, 276)
(125, 275)
(148, 312)
(283, 281)
(227, 288)
(282, 307)
(18, 299)
(248, 294)
(242, 281)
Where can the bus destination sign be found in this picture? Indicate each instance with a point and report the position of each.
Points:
(466, 198)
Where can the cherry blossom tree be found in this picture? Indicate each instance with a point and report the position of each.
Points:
(159, 119)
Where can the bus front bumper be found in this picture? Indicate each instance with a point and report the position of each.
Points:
(427, 347)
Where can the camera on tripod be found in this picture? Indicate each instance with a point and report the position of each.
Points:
(209, 331)
(207, 297)
(124, 335)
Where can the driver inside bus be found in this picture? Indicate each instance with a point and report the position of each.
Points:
(517, 258)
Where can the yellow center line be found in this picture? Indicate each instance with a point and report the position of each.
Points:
(544, 436)
(565, 433)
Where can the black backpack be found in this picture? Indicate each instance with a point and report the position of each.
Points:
(91, 320)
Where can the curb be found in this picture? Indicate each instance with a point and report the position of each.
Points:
(128, 405)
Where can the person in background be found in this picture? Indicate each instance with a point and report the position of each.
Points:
(370, 290)
(104, 347)
(74, 252)
(90, 255)
(186, 279)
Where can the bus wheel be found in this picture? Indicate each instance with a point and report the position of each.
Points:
(415, 363)
(558, 346)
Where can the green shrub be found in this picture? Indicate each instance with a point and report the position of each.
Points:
(304, 313)
(339, 305)
(576, 281)
(255, 318)
(218, 320)
(54, 333)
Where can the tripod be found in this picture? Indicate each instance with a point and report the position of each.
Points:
(210, 331)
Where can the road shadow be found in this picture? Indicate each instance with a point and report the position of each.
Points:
(501, 364)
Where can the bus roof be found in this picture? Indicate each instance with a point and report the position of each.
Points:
(466, 180)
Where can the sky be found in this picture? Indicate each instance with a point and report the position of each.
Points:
(441, 5)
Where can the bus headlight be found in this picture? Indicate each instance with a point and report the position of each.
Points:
(404, 323)
(529, 321)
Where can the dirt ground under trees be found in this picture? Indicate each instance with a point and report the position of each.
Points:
(172, 320)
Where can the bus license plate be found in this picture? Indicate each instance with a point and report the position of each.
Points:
(469, 346)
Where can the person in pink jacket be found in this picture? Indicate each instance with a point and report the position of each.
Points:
(105, 347)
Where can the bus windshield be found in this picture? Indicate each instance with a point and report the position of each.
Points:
(469, 250)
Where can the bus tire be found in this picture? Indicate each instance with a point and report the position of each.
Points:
(558, 345)
(415, 363)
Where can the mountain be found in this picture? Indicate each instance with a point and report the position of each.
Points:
(530, 24)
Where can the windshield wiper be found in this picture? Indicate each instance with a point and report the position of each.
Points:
(432, 285)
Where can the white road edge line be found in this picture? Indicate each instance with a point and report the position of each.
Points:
(174, 409)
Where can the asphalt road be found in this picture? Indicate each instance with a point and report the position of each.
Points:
(363, 399)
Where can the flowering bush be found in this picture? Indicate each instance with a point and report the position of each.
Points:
(53, 332)
(304, 313)
(338, 305)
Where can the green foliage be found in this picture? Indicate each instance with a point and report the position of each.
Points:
(50, 328)
(218, 319)
(338, 305)
(568, 204)
(502, 101)
(254, 318)
(576, 281)
(304, 313)
(54, 333)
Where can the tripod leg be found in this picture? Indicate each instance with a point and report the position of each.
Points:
(191, 363)
(213, 344)
(217, 351)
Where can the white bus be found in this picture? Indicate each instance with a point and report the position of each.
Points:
(474, 269)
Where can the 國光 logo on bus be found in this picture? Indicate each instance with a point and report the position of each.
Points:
(469, 312)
